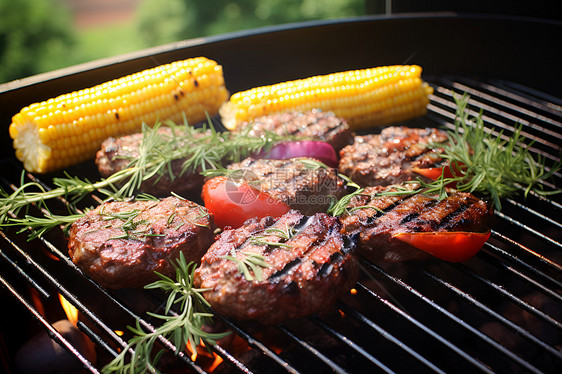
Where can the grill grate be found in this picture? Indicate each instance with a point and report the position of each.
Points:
(498, 312)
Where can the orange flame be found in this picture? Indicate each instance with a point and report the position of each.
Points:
(36, 299)
(192, 351)
(203, 355)
(69, 309)
(218, 360)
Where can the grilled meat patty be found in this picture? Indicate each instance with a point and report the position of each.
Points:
(312, 125)
(121, 244)
(377, 218)
(310, 265)
(298, 182)
(388, 157)
(116, 154)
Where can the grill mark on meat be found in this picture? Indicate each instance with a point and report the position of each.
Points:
(301, 224)
(304, 279)
(286, 270)
(334, 258)
(430, 204)
(310, 125)
(379, 212)
(306, 254)
(409, 217)
(295, 176)
(390, 156)
(460, 211)
(293, 182)
(113, 243)
(445, 221)
(325, 269)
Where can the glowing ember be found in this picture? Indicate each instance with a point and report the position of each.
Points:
(69, 309)
(353, 291)
(119, 332)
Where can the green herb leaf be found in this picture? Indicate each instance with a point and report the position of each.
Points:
(181, 329)
(251, 261)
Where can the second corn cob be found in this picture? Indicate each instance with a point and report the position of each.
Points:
(70, 128)
(365, 98)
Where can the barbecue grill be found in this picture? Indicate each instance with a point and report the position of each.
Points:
(498, 312)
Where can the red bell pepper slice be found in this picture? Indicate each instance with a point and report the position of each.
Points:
(435, 173)
(454, 246)
(233, 202)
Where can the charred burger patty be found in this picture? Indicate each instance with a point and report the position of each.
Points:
(298, 182)
(377, 217)
(390, 156)
(116, 154)
(312, 125)
(306, 265)
(122, 244)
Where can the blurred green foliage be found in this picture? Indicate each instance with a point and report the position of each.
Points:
(32, 39)
(160, 22)
(38, 35)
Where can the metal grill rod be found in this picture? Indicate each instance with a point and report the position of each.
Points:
(514, 327)
(527, 209)
(552, 103)
(258, 344)
(335, 368)
(488, 257)
(458, 321)
(497, 124)
(525, 95)
(44, 293)
(51, 330)
(513, 298)
(476, 363)
(526, 250)
(476, 93)
(350, 343)
(530, 230)
(385, 334)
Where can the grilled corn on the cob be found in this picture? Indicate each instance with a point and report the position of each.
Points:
(70, 128)
(365, 98)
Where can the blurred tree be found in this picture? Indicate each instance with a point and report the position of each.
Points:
(35, 36)
(164, 21)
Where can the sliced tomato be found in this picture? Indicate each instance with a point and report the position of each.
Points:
(455, 246)
(233, 202)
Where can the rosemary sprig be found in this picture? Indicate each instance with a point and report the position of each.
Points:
(206, 150)
(284, 236)
(131, 226)
(181, 329)
(41, 225)
(252, 261)
(489, 165)
(481, 162)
